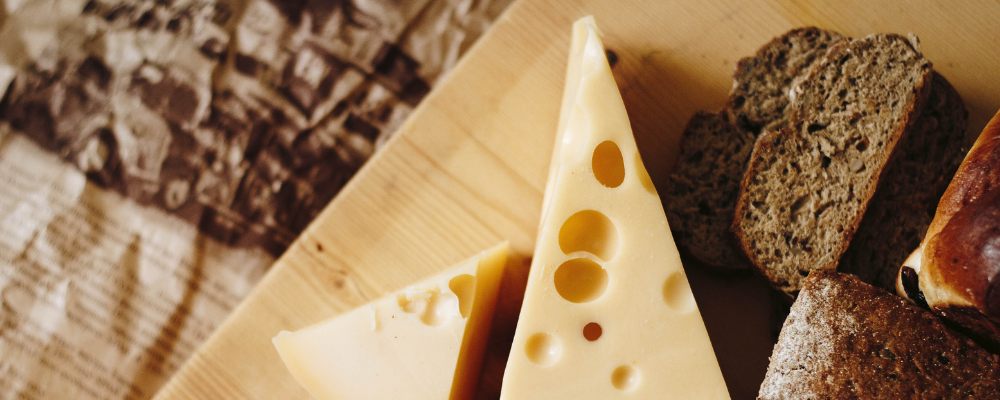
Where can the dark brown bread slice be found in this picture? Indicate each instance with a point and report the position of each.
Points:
(703, 187)
(715, 148)
(845, 339)
(808, 183)
(904, 204)
(761, 83)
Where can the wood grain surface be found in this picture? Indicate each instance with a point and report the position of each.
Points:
(468, 168)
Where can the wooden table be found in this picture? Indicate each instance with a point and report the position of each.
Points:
(468, 168)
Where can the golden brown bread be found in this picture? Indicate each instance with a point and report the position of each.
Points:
(956, 269)
(980, 172)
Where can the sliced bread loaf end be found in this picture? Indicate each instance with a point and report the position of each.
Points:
(809, 182)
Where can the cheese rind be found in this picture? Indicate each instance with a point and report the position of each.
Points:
(608, 311)
(423, 342)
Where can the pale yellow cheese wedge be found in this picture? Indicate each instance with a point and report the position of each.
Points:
(424, 342)
(608, 312)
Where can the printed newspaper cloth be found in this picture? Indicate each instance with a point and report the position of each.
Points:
(157, 155)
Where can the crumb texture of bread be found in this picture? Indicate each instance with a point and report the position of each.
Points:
(904, 204)
(809, 182)
(847, 339)
(715, 147)
(761, 83)
(704, 185)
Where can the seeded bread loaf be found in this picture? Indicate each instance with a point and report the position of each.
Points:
(809, 182)
(846, 339)
(715, 147)
(904, 204)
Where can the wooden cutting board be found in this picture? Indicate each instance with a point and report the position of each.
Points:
(468, 168)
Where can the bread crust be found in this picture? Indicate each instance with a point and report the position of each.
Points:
(846, 339)
(979, 173)
(957, 267)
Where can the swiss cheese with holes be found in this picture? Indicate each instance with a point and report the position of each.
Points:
(424, 342)
(608, 312)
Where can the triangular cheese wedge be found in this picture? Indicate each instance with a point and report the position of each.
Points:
(608, 312)
(424, 342)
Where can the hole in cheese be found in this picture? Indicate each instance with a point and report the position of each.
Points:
(589, 231)
(464, 287)
(677, 293)
(592, 331)
(580, 280)
(608, 164)
(543, 349)
(431, 306)
(625, 377)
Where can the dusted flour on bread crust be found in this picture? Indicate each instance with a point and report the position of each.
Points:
(847, 339)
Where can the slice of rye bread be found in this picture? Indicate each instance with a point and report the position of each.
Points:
(702, 191)
(715, 147)
(809, 182)
(761, 83)
(903, 206)
(847, 339)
